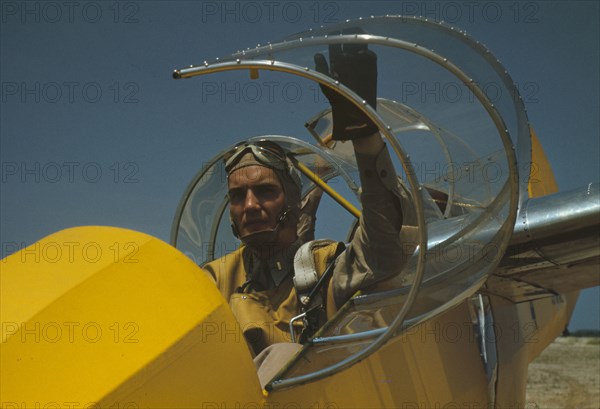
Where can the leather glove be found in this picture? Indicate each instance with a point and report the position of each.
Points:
(355, 66)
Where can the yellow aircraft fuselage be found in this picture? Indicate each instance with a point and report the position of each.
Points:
(111, 318)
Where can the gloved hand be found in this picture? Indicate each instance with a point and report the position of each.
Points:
(355, 66)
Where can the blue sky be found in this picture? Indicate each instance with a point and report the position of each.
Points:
(95, 132)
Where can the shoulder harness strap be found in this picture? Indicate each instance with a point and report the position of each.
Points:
(305, 271)
(308, 284)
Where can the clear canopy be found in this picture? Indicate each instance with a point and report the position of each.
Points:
(456, 123)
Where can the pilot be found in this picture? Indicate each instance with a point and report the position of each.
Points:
(261, 279)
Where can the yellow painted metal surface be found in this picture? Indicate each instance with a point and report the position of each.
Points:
(114, 318)
(529, 327)
(541, 177)
(107, 317)
(133, 323)
(436, 364)
(550, 315)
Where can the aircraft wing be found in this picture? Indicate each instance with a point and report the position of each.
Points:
(555, 247)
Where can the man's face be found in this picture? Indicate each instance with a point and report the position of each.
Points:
(256, 199)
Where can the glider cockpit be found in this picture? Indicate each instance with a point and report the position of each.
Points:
(458, 129)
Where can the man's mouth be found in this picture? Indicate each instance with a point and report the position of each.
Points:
(256, 225)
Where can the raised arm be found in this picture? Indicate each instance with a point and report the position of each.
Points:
(376, 251)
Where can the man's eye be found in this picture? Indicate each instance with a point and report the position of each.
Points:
(235, 196)
(267, 191)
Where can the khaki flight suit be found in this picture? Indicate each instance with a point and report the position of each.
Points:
(377, 252)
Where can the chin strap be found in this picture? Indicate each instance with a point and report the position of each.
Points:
(265, 236)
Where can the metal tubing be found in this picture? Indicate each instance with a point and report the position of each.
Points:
(328, 189)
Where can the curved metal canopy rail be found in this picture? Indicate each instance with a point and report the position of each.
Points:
(327, 81)
(306, 72)
(321, 36)
(386, 131)
(523, 128)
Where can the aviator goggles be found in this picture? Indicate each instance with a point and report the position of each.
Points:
(266, 152)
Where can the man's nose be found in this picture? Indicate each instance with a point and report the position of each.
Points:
(251, 201)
